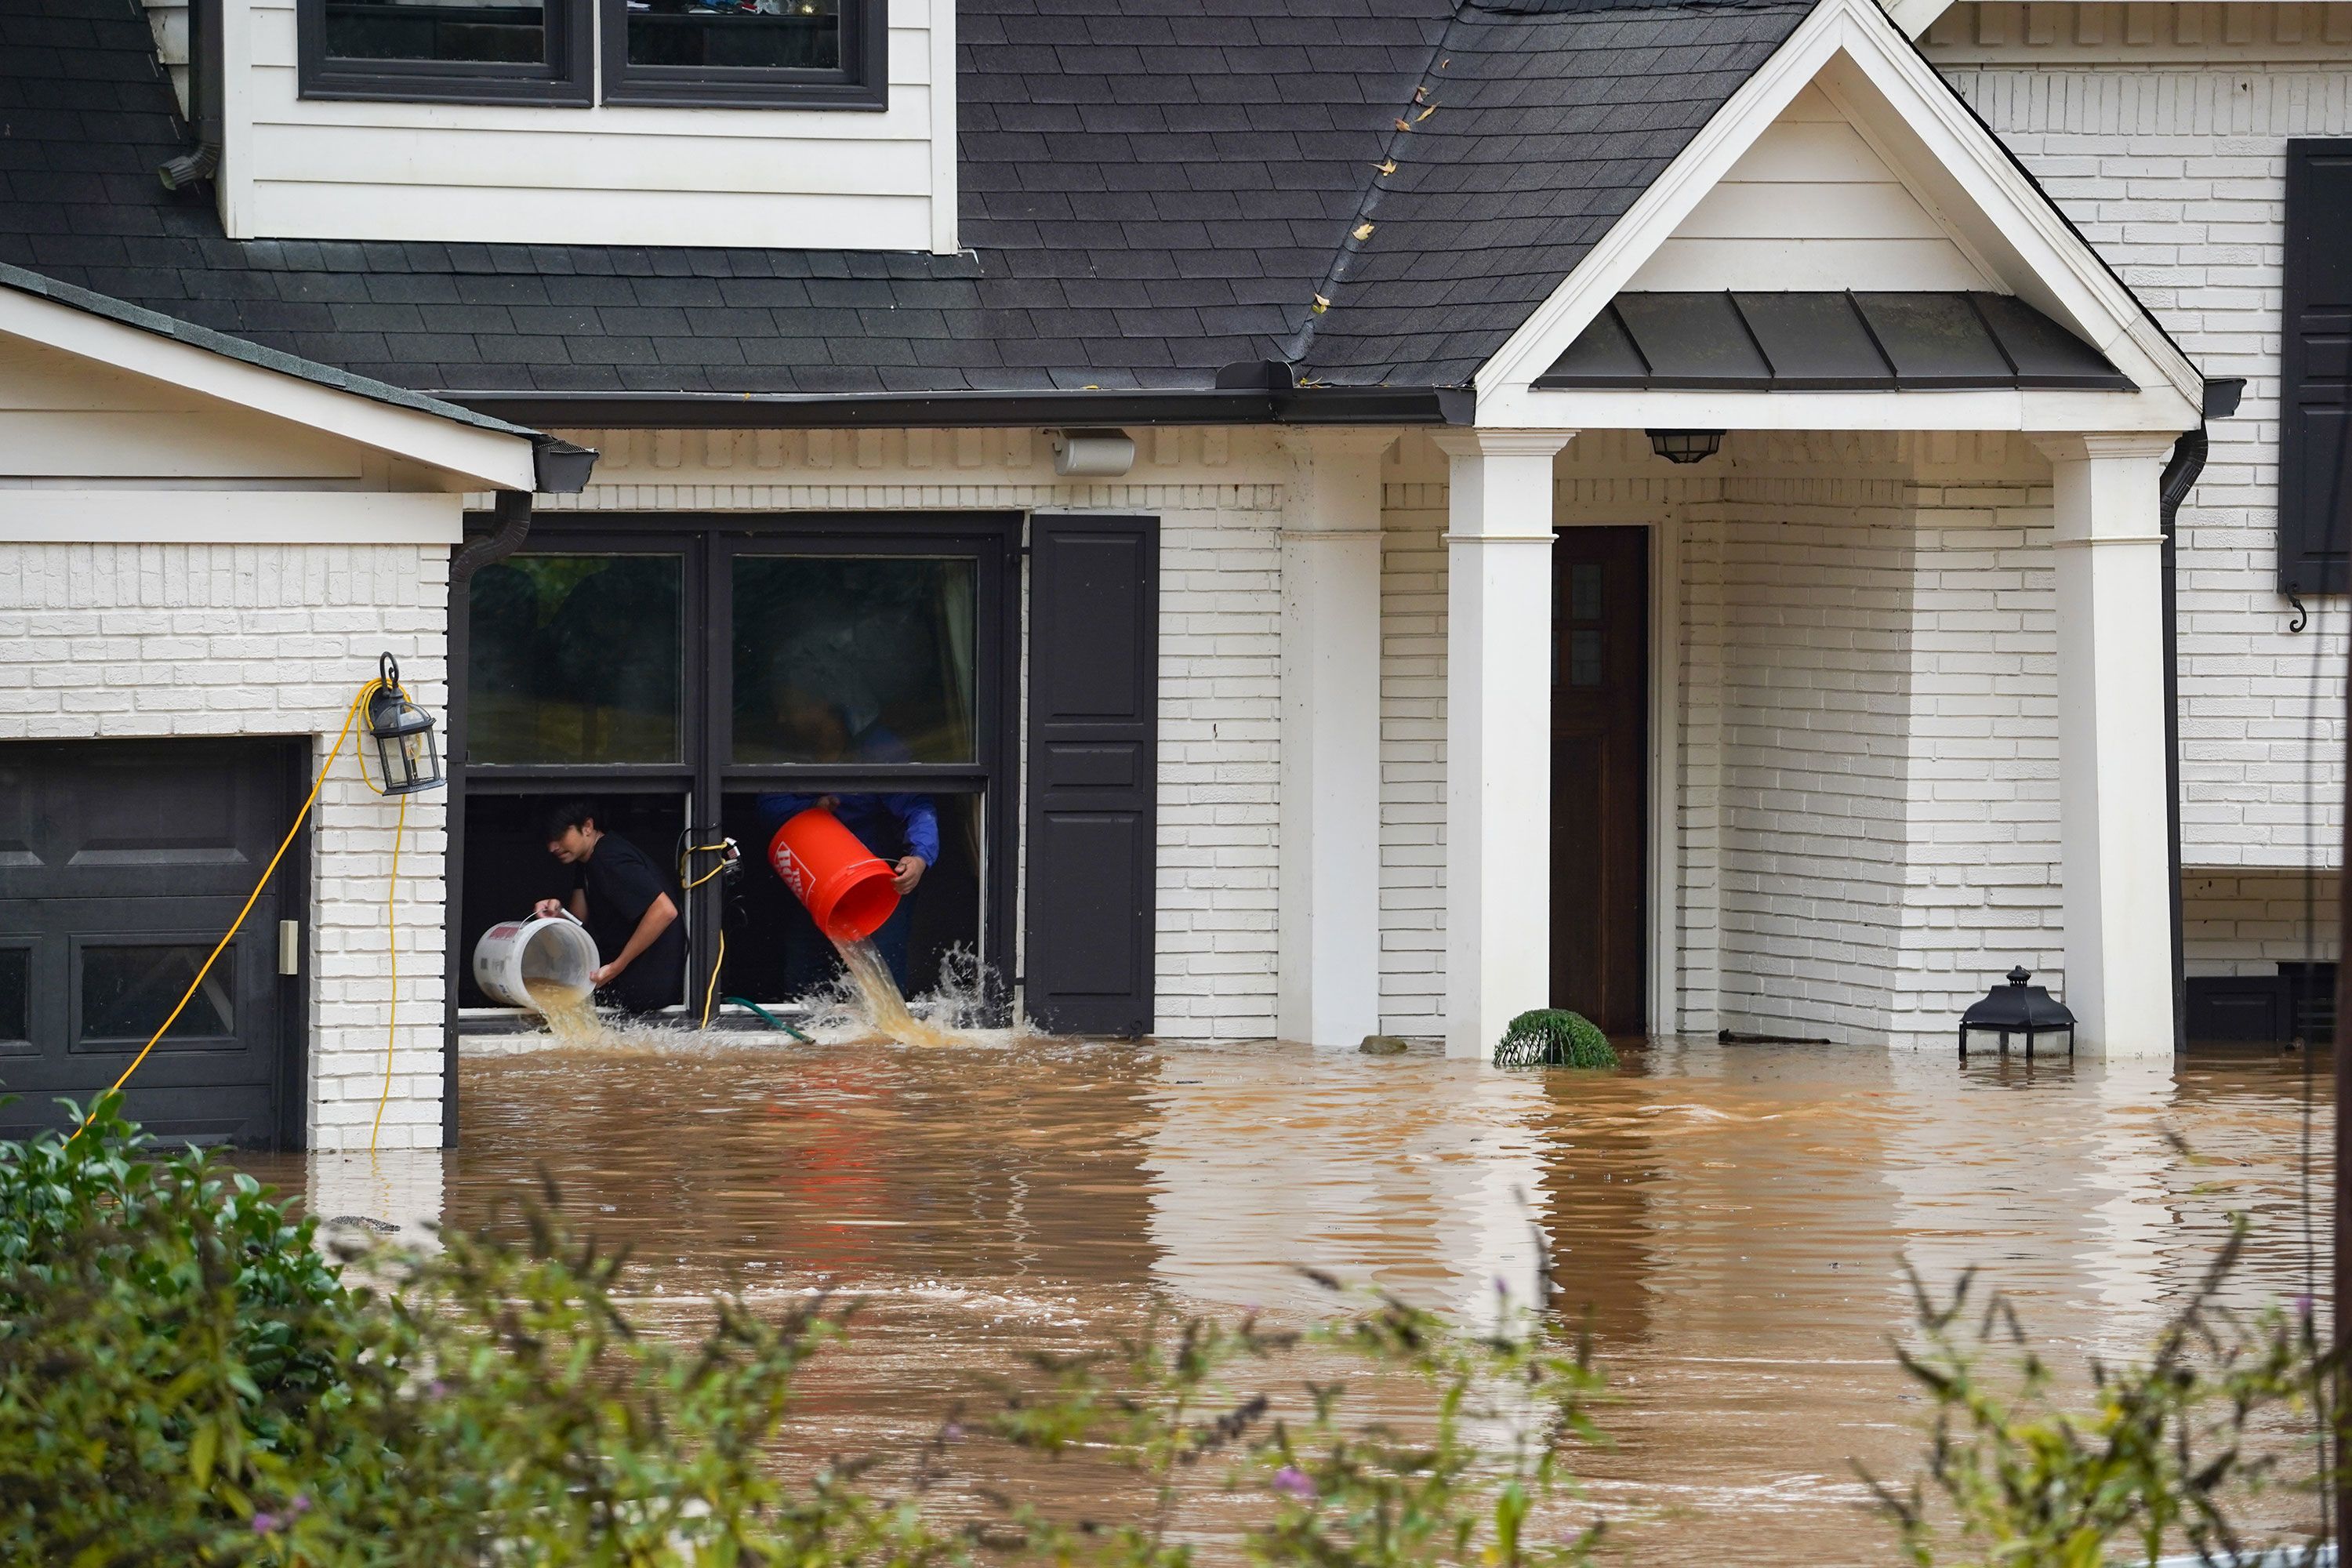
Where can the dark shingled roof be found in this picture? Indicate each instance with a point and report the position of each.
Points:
(1152, 190)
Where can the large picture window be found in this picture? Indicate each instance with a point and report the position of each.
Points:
(746, 53)
(699, 679)
(464, 51)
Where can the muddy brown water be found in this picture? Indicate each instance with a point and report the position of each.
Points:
(1737, 1218)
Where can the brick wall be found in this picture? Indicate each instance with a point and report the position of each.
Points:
(1219, 496)
(107, 641)
(2161, 131)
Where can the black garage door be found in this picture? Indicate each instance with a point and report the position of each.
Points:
(121, 864)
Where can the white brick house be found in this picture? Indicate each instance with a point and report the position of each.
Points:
(1262, 424)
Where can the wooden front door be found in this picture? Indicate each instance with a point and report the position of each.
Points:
(1600, 774)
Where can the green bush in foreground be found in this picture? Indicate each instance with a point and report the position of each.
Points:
(2171, 1447)
(1552, 1037)
(184, 1379)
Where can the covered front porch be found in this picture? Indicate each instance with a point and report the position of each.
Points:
(1814, 736)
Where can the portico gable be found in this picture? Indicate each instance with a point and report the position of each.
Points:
(1843, 248)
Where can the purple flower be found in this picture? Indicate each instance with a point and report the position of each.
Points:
(2303, 1306)
(952, 1431)
(1295, 1481)
(301, 1504)
(263, 1523)
(437, 1388)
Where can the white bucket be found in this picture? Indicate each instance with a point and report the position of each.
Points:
(512, 951)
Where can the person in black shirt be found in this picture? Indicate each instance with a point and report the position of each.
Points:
(625, 902)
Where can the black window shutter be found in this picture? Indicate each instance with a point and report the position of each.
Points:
(1093, 830)
(2314, 544)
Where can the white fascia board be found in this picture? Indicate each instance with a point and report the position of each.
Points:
(1997, 408)
(156, 516)
(474, 459)
(2069, 275)
(1915, 17)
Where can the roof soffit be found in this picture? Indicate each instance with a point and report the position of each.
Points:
(1947, 158)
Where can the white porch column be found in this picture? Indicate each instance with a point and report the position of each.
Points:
(1327, 920)
(1497, 731)
(2112, 817)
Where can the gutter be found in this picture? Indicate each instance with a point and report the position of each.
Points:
(1259, 401)
(2187, 461)
(557, 468)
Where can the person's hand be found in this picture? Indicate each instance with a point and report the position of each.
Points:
(604, 974)
(549, 909)
(909, 872)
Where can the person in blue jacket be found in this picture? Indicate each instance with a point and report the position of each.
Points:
(902, 829)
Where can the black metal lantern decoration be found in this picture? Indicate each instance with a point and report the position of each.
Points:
(408, 758)
(1686, 446)
(2018, 1008)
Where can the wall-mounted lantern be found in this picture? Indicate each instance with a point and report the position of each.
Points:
(407, 759)
(2018, 1008)
(1686, 446)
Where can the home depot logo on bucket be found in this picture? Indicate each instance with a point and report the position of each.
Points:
(848, 892)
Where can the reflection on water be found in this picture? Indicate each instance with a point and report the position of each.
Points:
(1737, 1217)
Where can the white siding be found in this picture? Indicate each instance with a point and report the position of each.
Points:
(1811, 205)
(2161, 131)
(787, 178)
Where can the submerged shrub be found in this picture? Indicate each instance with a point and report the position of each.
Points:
(1552, 1037)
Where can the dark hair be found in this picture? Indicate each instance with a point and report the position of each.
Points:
(569, 814)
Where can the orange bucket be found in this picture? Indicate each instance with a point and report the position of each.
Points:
(849, 893)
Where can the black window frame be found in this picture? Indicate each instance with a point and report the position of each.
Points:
(564, 78)
(709, 545)
(861, 81)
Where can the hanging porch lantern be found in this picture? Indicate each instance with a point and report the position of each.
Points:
(1686, 446)
(2018, 1008)
(407, 759)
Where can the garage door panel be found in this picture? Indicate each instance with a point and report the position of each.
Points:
(101, 817)
(120, 866)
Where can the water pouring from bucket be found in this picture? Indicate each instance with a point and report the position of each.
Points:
(850, 892)
(542, 963)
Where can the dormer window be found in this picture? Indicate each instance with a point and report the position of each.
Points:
(742, 54)
(745, 53)
(487, 51)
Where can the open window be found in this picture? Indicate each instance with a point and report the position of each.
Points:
(747, 54)
(447, 51)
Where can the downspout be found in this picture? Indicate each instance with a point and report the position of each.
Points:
(203, 161)
(2180, 473)
(511, 510)
(557, 468)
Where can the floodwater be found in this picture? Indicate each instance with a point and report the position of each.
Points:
(1737, 1218)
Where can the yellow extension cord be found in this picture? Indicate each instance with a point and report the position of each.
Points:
(392, 1012)
(710, 994)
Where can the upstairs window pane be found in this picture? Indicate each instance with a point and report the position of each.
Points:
(774, 35)
(493, 32)
(447, 51)
(747, 54)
